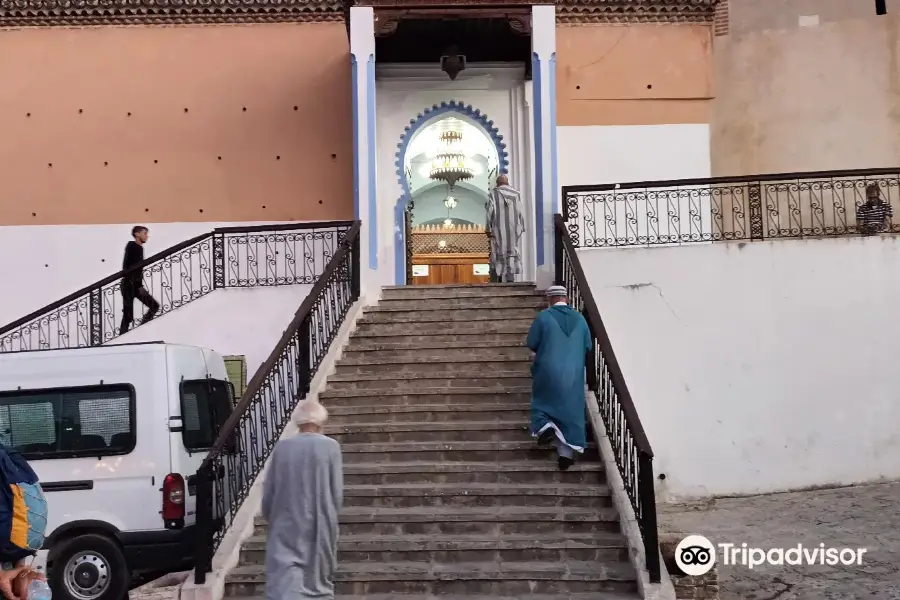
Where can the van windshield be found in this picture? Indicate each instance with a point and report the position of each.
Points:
(205, 404)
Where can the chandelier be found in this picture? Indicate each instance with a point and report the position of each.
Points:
(450, 165)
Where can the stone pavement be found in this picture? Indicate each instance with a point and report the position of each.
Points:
(862, 516)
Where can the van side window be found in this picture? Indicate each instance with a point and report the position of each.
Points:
(69, 422)
(205, 404)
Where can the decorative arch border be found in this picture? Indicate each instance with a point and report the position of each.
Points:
(425, 117)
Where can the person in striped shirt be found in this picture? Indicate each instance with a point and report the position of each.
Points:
(873, 216)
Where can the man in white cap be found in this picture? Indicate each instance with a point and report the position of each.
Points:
(560, 339)
(302, 496)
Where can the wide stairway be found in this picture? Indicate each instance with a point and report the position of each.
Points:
(446, 494)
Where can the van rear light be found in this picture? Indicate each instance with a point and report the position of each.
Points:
(173, 501)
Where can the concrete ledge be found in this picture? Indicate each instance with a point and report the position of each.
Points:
(228, 555)
(627, 519)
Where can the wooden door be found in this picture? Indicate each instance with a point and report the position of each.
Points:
(430, 269)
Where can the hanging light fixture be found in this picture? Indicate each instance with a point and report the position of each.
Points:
(449, 164)
(450, 202)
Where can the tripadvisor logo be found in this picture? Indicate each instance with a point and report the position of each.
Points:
(695, 555)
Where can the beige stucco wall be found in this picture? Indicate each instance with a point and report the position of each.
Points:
(758, 15)
(165, 124)
(633, 74)
(825, 97)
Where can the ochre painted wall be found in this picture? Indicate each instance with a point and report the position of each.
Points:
(165, 124)
(633, 74)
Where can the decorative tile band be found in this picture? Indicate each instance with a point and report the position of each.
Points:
(68, 13)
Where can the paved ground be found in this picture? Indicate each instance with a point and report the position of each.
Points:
(862, 516)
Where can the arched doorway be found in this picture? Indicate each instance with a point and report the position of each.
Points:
(447, 163)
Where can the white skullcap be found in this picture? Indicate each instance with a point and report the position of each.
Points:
(555, 291)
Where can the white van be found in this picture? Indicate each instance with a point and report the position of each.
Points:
(115, 434)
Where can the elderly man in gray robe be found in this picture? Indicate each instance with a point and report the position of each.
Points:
(302, 497)
(505, 226)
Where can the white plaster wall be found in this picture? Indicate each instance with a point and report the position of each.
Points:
(430, 205)
(624, 153)
(42, 264)
(759, 367)
(246, 322)
(403, 93)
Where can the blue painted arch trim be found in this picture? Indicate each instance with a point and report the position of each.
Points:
(424, 118)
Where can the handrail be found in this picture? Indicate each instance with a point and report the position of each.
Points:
(740, 208)
(227, 429)
(105, 281)
(631, 446)
(726, 179)
(249, 434)
(235, 256)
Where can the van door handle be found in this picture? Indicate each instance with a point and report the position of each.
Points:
(67, 486)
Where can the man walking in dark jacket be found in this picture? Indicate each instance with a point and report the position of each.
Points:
(133, 283)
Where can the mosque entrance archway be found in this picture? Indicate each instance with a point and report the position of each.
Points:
(450, 157)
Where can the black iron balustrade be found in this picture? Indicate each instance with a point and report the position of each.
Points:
(785, 205)
(633, 454)
(227, 257)
(249, 435)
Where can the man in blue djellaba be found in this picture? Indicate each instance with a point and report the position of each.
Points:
(560, 339)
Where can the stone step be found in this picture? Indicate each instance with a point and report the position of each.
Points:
(517, 472)
(585, 596)
(409, 495)
(403, 398)
(446, 520)
(464, 548)
(455, 452)
(459, 431)
(457, 303)
(443, 316)
(509, 326)
(450, 409)
(513, 578)
(452, 290)
(437, 355)
(428, 367)
(433, 342)
(371, 379)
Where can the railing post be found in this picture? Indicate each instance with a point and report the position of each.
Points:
(218, 260)
(557, 253)
(755, 207)
(647, 516)
(304, 366)
(355, 270)
(203, 546)
(95, 317)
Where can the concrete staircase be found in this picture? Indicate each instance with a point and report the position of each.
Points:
(446, 494)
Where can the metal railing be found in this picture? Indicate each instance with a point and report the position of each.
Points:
(227, 257)
(250, 433)
(633, 454)
(785, 205)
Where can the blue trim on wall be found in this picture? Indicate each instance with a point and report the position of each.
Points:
(554, 181)
(409, 132)
(373, 209)
(538, 158)
(356, 163)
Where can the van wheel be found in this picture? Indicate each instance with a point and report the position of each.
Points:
(89, 567)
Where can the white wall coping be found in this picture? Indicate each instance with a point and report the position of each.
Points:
(627, 519)
(228, 554)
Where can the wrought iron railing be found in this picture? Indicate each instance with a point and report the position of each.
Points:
(227, 257)
(786, 205)
(248, 436)
(633, 454)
